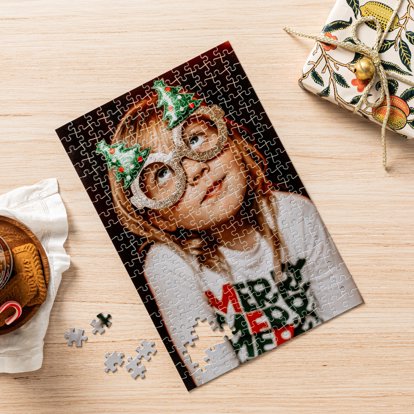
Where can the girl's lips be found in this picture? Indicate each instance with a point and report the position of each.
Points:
(213, 190)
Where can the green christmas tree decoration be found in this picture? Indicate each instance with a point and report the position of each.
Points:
(177, 105)
(127, 162)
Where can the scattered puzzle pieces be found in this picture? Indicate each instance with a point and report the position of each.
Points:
(75, 336)
(113, 360)
(145, 351)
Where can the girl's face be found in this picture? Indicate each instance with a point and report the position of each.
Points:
(215, 189)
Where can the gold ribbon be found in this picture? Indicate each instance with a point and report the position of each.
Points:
(373, 54)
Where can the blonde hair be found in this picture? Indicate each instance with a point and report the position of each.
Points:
(139, 121)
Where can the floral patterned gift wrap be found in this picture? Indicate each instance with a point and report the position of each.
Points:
(329, 70)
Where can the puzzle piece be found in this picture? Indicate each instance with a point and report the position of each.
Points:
(99, 324)
(75, 336)
(146, 350)
(113, 360)
(215, 225)
(136, 368)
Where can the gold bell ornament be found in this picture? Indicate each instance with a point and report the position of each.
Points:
(364, 69)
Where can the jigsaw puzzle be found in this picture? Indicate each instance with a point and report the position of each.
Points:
(208, 214)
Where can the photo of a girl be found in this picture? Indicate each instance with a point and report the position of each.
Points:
(221, 242)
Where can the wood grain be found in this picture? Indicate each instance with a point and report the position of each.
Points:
(60, 59)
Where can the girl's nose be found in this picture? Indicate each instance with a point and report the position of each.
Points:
(194, 170)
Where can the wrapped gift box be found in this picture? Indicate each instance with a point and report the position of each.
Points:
(328, 71)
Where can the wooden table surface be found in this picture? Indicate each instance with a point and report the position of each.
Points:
(60, 59)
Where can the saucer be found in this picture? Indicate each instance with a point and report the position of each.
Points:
(16, 234)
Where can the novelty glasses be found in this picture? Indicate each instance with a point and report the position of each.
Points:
(162, 180)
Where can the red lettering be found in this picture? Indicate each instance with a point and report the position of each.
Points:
(229, 295)
(255, 326)
(283, 334)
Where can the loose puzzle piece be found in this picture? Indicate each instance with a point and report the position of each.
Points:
(146, 350)
(75, 336)
(136, 367)
(99, 324)
(209, 217)
(113, 360)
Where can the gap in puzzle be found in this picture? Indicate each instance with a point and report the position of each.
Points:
(208, 215)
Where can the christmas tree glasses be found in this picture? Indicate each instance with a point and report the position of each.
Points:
(162, 180)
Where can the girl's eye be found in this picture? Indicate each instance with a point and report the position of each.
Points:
(163, 175)
(196, 141)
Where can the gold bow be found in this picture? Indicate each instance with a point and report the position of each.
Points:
(372, 53)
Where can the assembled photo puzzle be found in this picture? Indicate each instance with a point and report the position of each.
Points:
(208, 214)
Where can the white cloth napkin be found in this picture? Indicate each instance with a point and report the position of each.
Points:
(41, 208)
